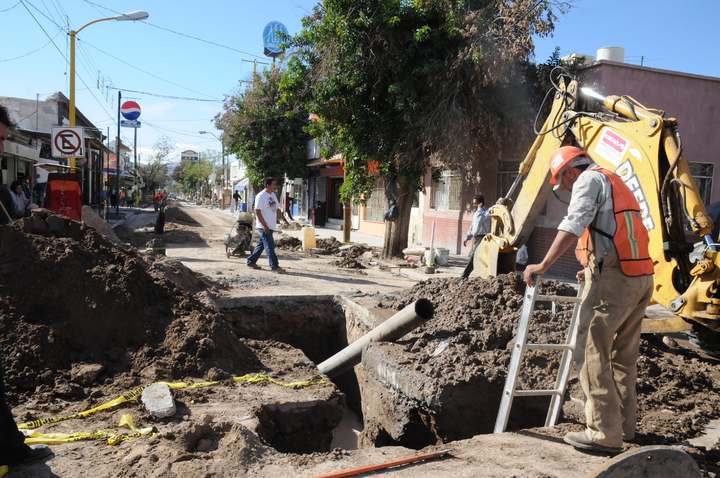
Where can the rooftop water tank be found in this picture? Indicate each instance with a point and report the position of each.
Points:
(611, 53)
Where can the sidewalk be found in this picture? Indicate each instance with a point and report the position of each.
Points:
(456, 262)
(454, 269)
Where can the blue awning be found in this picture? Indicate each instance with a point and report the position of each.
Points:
(243, 184)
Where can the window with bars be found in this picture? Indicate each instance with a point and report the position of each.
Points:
(446, 190)
(507, 172)
(376, 206)
(702, 173)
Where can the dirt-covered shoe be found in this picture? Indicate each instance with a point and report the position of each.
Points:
(581, 440)
(37, 452)
(253, 266)
(279, 270)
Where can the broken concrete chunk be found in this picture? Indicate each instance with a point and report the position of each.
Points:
(85, 374)
(158, 400)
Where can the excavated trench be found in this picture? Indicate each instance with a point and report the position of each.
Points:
(397, 404)
(147, 318)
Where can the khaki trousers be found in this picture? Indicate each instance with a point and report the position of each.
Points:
(608, 345)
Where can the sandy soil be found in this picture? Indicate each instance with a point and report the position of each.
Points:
(86, 320)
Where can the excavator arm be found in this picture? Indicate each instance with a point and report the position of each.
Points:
(645, 150)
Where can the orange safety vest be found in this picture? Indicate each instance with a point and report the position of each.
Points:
(631, 237)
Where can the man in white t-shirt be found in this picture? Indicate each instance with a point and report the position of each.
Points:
(267, 212)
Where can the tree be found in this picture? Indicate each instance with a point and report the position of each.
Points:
(264, 131)
(409, 84)
(193, 176)
(155, 171)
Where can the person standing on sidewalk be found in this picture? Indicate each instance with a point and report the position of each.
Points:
(13, 449)
(478, 229)
(236, 198)
(613, 249)
(267, 212)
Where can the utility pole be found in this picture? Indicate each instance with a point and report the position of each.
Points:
(117, 160)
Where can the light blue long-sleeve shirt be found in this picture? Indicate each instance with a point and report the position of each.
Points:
(481, 223)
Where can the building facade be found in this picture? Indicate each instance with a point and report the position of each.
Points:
(28, 152)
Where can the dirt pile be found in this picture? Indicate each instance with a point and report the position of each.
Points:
(83, 318)
(471, 336)
(357, 256)
(288, 243)
(330, 244)
(179, 228)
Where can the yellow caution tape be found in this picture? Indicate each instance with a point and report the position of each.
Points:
(113, 438)
(136, 393)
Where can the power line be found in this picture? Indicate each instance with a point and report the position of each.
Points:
(41, 27)
(146, 72)
(8, 9)
(181, 34)
(164, 96)
(30, 53)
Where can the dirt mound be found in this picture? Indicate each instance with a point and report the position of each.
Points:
(472, 333)
(329, 244)
(70, 296)
(293, 226)
(179, 228)
(288, 243)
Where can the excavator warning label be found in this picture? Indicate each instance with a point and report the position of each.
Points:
(611, 147)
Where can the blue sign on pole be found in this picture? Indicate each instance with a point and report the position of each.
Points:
(271, 39)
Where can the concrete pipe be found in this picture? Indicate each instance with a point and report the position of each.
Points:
(393, 328)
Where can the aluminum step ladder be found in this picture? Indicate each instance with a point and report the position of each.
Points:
(557, 394)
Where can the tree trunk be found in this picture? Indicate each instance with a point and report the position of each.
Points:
(396, 232)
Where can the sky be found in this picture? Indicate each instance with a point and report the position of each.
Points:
(677, 35)
(179, 64)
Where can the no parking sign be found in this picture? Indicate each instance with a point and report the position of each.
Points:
(67, 141)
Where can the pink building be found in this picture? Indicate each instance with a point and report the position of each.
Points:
(692, 99)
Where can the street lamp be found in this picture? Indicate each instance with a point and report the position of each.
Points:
(224, 178)
(132, 16)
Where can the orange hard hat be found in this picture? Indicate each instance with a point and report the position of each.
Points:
(562, 158)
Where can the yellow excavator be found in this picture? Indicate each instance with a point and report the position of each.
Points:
(645, 150)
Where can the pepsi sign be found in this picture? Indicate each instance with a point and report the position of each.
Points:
(130, 110)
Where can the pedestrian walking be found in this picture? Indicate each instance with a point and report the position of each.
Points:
(267, 212)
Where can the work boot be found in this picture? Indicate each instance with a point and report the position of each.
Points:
(36, 453)
(253, 266)
(580, 440)
(279, 270)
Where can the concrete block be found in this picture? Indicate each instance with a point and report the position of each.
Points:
(158, 400)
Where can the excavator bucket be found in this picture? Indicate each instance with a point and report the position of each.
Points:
(490, 259)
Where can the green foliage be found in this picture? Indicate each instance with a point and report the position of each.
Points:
(406, 83)
(193, 176)
(552, 67)
(265, 132)
(154, 173)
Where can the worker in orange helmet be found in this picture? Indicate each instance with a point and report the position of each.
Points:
(604, 219)
(158, 199)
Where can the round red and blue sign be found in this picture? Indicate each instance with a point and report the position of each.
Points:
(130, 110)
